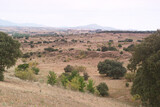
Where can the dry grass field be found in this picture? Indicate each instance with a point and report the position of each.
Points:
(20, 93)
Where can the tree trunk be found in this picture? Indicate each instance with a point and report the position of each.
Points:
(1, 73)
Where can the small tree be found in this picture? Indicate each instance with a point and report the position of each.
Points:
(52, 78)
(68, 68)
(103, 89)
(90, 86)
(111, 68)
(9, 52)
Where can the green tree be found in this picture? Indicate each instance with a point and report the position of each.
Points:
(9, 52)
(52, 78)
(111, 68)
(146, 61)
(103, 89)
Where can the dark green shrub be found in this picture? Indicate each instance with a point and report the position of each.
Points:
(121, 52)
(52, 78)
(36, 70)
(85, 75)
(50, 49)
(68, 68)
(32, 46)
(89, 49)
(129, 48)
(128, 40)
(23, 67)
(111, 68)
(112, 49)
(139, 40)
(26, 55)
(71, 49)
(60, 51)
(39, 55)
(103, 89)
(127, 84)
(119, 45)
(74, 41)
(111, 41)
(104, 48)
(98, 49)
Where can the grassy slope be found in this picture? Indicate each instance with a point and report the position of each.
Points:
(17, 93)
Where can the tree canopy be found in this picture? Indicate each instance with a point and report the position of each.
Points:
(9, 52)
(111, 68)
(146, 61)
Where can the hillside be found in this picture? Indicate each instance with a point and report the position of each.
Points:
(14, 91)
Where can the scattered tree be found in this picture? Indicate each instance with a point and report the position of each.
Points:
(146, 61)
(9, 52)
(111, 68)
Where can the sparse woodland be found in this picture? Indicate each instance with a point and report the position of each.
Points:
(122, 68)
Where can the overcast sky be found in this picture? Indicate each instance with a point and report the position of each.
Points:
(122, 14)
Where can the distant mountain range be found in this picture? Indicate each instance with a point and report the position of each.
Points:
(4, 23)
(92, 27)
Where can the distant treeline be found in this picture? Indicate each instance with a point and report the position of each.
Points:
(126, 31)
(48, 34)
(19, 35)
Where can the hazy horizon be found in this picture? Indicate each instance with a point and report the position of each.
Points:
(120, 14)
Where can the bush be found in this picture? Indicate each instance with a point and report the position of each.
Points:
(98, 49)
(27, 71)
(90, 86)
(129, 48)
(104, 48)
(26, 55)
(128, 40)
(127, 84)
(36, 70)
(130, 76)
(25, 75)
(52, 78)
(111, 41)
(103, 89)
(71, 49)
(119, 45)
(77, 83)
(111, 68)
(89, 49)
(85, 75)
(23, 67)
(110, 48)
(139, 40)
(79, 68)
(50, 49)
(64, 79)
(121, 52)
(68, 68)
(73, 84)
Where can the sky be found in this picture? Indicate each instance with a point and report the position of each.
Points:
(121, 14)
